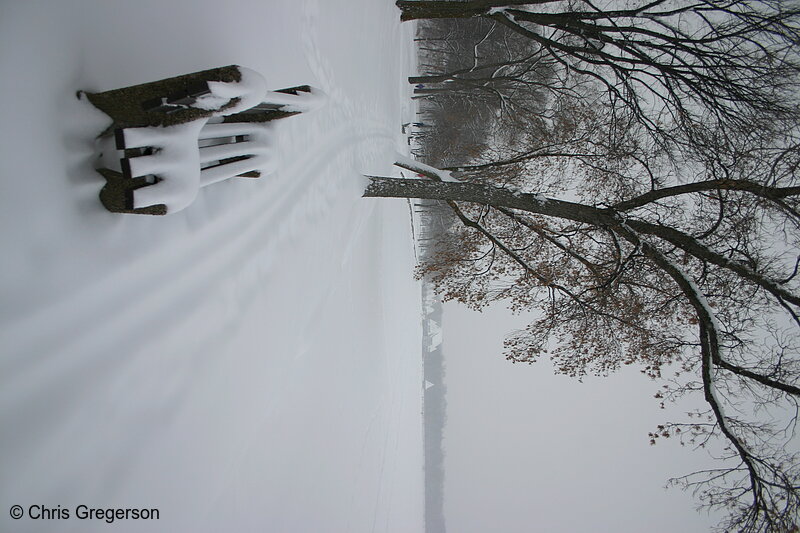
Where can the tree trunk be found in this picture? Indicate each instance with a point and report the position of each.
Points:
(413, 10)
(383, 187)
(429, 79)
(439, 9)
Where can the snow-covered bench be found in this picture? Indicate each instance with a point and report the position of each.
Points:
(175, 136)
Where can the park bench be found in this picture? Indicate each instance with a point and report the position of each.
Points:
(171, 137)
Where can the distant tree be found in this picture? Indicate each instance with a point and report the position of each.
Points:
(682, 61)
(483, 61)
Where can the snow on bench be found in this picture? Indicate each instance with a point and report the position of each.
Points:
(175, 136)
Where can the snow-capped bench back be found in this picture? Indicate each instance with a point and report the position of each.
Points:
(174, 136)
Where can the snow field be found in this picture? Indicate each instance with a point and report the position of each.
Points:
(250, 363)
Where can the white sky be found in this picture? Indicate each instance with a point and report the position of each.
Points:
(526, 450)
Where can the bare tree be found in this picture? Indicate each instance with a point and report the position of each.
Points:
(689, 61)
(701, 275)
(653, 222)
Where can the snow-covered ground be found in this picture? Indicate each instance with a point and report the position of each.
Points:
(248, 364)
